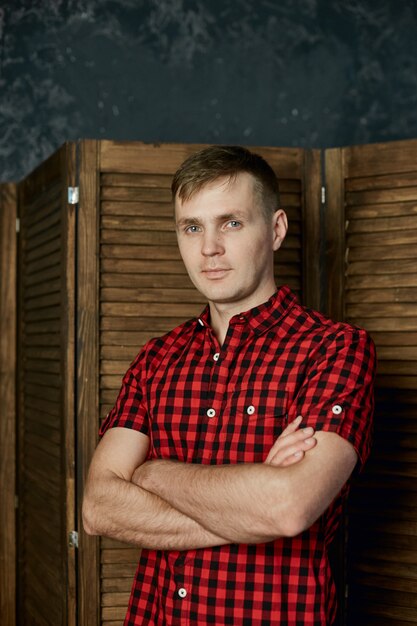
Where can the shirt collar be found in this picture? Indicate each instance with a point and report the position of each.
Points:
(261, 317)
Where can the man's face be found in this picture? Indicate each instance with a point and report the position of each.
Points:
(227, 243)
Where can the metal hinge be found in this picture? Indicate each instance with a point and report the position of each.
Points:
(17, 224)
(323, 195)
(73, 539)
(73, 195)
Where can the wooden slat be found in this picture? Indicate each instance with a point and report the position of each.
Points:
(376, 268)
(390, 238)
(381, 159)
(125, 251)
(160, 181)
(382, 224)
(380, 253)
(140, 324)
(136, 194)
(133, 266)
(44, 314)
(397, 209)
(130, 309)
(48, 365)
(137, 157)
(44, 249)
(375, 196)
(114, 222)
(113, 613)
(46, 445)
(51, 260)
(382, 295)
(32, 391)
(127, 554)
(118, 571)
(48, 432)
(369, 281)
(385, 309)
(44, 237)
(138, 237)
(51, 220)
(394, 339)
(46, 300)
(116, 599)
(42, 209)
(43, 275)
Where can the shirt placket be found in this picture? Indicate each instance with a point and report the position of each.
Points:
(222, 360)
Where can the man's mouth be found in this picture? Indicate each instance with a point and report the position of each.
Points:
(215, 272)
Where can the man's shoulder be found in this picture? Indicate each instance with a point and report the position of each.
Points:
(323, 327)
(159, 346)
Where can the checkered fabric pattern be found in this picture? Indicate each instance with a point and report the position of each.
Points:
(202, 403)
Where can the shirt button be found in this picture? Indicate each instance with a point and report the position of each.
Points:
(200, 322)
(250, 410)
(216, 356)
(182, 592)
(211, 413)
(336, 409)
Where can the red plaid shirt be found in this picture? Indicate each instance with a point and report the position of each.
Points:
(202, 403)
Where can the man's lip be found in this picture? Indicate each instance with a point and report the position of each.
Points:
(215, 271)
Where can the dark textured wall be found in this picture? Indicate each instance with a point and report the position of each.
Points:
(313, 73)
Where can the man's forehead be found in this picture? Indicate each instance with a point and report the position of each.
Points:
(225, 183)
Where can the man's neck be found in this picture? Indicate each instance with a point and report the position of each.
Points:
(221, 314)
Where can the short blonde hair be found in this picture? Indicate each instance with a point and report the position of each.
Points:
(215, 162)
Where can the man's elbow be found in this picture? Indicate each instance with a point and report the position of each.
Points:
(295, 525)
(90, 517)
(291, 521)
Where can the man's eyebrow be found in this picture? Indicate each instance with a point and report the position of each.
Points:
(235, 215)
(185, 221)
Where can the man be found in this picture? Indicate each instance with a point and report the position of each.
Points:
(203, 462)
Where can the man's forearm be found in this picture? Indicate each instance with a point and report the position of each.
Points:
(255, 503)
(234, 500)
(124, 511)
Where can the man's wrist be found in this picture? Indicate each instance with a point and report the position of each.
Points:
(144, 475)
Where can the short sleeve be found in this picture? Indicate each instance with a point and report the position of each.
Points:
(337, 393)
(130, 410)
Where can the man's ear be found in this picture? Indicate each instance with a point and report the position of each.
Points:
(280, 226)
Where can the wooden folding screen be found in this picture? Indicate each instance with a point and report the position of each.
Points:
(372, 282)
(46, 551)
(104, 275)
(127, 254)
(7, 394)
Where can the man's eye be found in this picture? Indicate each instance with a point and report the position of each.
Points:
(192, 229)
(234, 224)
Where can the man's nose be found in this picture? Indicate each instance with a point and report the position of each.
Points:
(212, 243)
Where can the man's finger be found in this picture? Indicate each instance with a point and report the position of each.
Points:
(277, 455)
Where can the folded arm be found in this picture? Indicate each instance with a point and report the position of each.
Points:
(116, 505)
(252, 503)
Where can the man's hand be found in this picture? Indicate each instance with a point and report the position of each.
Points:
(291, 445)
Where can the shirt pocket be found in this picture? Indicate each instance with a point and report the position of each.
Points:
(254, 419)
(257, 404)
